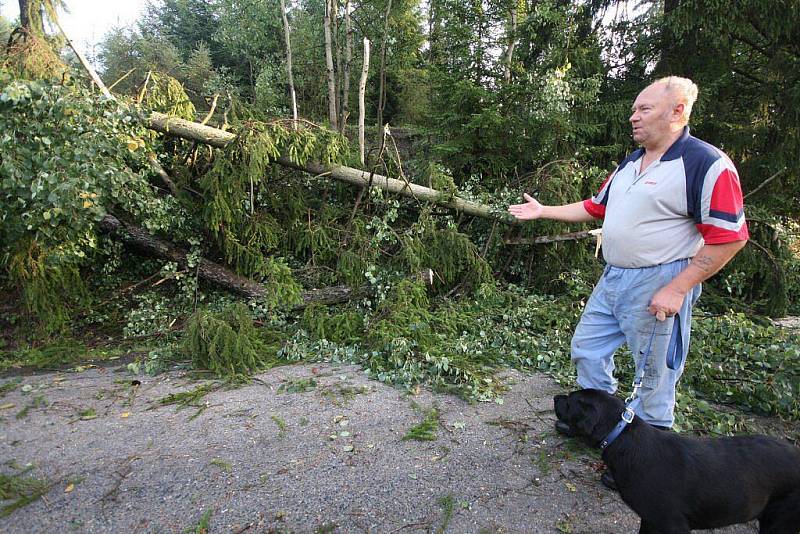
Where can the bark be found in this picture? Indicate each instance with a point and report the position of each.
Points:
(149, 245)
(572, 236)
(362, 87)
(287, 34)
(211, 110)
(24, 18)
(348, 58)
(329, 67)
(24, 15)
(219, 139)
(382, 72)
(337, 47)
(163, 174)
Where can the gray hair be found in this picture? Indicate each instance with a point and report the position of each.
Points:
(684, 90)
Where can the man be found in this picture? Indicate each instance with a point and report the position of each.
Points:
(672, 217)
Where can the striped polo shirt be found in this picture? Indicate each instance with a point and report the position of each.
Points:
(689, 197)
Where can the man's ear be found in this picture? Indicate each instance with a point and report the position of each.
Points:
(677, 112)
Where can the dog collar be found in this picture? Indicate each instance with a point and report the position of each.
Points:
(627, 418)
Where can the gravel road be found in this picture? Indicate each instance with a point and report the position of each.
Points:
(300, 449)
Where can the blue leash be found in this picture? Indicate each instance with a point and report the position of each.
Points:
(675, 348)
(674, 360)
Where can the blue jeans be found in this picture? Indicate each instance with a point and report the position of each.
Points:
(617, 313)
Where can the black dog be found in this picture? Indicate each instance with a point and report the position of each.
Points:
(677, 483)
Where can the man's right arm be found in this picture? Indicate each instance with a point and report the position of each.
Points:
(532, 209)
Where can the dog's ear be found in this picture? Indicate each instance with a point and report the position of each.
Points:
(588, 419)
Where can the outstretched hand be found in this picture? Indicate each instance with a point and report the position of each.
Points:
(532, 209)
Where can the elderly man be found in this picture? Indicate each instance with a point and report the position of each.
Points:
(672, 217)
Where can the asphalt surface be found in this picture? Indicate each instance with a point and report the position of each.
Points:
(273, 457)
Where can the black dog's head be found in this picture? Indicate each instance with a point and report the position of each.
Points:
(590, 413)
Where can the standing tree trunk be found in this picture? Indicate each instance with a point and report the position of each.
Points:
(362, 87)
(329, 65)
(337, 47)
(287, 33)
(512, 39)
(382, 73)
(348, 57)
(24, 15)
(32, 15)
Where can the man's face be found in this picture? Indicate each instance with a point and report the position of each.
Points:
(653, 115)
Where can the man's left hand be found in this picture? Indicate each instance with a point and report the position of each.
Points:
(666, 302)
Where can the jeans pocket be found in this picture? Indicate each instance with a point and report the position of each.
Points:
(651, 346)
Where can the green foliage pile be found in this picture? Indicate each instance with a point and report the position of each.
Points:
(451, 255)
(343, 327)
(739, 362)
(67, 160)
(763, 276)
(456, 345)
(240, 194)
(227, 343)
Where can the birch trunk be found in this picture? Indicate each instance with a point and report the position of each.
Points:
(348, 58)
(362, 87)
(337, 48)
(95, 78)
(512, 39)
(287, 33)
(382, 74)
(329, 66)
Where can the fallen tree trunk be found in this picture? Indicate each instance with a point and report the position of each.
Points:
(572, 236)
(149, 245)
(219, 139)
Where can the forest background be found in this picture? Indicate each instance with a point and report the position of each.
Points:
(484, 100)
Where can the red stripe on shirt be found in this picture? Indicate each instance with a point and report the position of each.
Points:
(598, 211)
(714, 235)
(727, 194)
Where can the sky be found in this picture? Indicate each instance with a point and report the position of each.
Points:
(88, 20)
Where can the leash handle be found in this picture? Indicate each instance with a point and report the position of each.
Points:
(675, 347)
